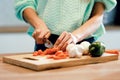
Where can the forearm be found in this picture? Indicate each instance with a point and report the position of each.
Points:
(92, 24)
(41, 31)
(88, 28)
(32, 18)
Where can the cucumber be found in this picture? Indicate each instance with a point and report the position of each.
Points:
(96, 49)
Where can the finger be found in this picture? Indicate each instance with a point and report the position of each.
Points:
(47, 35)
(64, 41)
(66, 38)
(38, 37)
(65, 44)
(59, 39)
(74, 39)
(33, 35)
(44, 35)
(41, 35)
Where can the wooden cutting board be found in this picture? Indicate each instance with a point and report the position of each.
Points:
(42, 63)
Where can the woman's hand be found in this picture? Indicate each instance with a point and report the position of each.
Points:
(40, 35)
(41, 31)
(64, 39)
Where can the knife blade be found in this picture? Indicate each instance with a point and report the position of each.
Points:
(48, 43)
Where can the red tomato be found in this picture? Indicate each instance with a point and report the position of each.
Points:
(51, 51)
(60, 55)
(35, 53)
(40, 52)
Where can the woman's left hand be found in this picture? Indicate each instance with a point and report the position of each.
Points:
(64, 39)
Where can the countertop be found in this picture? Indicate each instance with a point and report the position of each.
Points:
(101, 71)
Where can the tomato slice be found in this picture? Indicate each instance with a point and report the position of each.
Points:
(35, 53)
(60, 55)
(40, 52)
(51, 51)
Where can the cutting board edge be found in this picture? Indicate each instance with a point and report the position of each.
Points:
(19, 63)
(80, 62)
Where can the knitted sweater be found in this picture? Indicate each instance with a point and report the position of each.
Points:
(63, 15)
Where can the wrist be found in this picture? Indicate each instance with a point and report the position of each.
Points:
(38, 24)
(78, 37)
(74, 38)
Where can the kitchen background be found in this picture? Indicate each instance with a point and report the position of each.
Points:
(14, 39)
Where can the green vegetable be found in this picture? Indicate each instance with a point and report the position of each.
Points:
(96, 49)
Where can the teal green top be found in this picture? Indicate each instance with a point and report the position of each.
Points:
(63, 15)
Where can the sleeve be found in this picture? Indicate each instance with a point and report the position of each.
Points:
(21, 5)
(109, 4)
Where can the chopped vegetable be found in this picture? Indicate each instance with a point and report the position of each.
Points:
(60, 55)
(53, 53)
(40, 52)
(35, 53)
(112, 51)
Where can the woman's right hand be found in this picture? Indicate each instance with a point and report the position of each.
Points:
(41, 31)
(41, 34)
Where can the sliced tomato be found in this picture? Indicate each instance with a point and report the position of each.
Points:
(66, 53)
(60, 55)
(40, 52)
(35, 53)
(51, 51)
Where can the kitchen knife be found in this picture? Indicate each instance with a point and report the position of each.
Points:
(48, 43)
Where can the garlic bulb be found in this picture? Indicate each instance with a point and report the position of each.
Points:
(74, 50)
(77, 50)
(85, 46)
(70, 49)
(80, 48)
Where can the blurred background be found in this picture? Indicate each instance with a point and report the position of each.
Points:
(14, 39)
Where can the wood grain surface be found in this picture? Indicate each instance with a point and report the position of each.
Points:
(42, 63)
